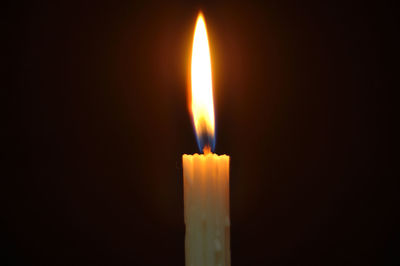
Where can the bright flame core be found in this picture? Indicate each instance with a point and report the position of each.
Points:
(202, 95)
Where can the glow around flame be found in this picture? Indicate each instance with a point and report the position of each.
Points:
(201, 88)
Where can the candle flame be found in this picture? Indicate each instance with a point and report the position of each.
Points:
(201, 88)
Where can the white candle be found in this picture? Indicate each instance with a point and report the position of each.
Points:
(206, 176)
(206, 199)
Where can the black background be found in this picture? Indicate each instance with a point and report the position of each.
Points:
(102, 122)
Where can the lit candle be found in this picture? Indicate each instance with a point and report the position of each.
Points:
(206, 176)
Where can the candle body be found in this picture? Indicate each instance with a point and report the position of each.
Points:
(206, 200)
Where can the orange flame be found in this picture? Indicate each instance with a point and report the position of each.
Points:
(202, 105)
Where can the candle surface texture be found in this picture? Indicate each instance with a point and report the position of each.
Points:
(206, 200)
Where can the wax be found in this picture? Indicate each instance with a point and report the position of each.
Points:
(206, 200)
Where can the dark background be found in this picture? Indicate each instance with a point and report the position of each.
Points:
(301, 95)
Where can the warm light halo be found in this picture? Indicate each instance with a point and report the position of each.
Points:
(202, 105)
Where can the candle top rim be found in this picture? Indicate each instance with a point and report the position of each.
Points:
(206, 155)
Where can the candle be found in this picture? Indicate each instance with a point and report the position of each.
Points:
(206, 176)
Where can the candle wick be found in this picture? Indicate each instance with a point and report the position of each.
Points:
(206, 150)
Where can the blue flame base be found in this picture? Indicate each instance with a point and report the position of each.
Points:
(204, 141)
